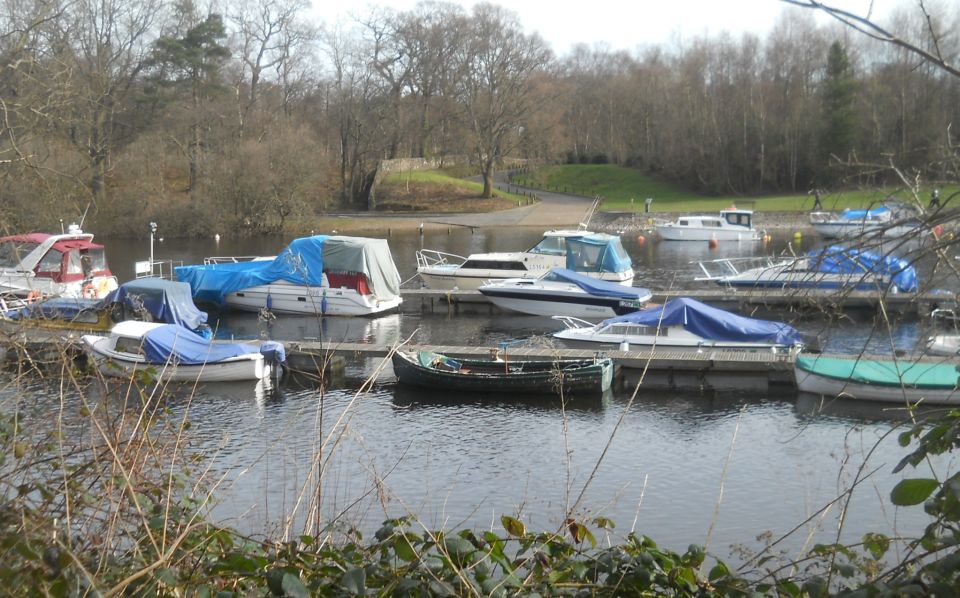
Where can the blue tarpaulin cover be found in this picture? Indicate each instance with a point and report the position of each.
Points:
(302, 262)
(55, 308)
(598, 287)
(874, 214)
(597, 253)
(176, 344)
(712, 323)
(167, 301)
(851, 260)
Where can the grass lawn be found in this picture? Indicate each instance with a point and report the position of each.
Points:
(438, 191)
(618, 185)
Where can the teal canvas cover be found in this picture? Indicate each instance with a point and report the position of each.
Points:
(930, 376)
(597, 253)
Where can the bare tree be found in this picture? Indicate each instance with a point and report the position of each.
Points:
(497, 61)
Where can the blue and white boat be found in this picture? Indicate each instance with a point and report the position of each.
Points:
(597, 255)
(892, 219)
(835, 267)
(169, 352)
(319, 275)
(680, 323)
(563, 292)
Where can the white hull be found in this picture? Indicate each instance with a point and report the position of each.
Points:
(451, 279)
(558, 299)
(849, 230)
(675, 338)
(830, 387)
(670, 232)
(123, 364)
(285, 298)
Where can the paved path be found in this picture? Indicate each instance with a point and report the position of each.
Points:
(553, 210)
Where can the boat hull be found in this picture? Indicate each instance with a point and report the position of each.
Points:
(122, 364)
(669, 232)
(642, 343)
(560, 303)
(452, 278)
(848, 230)
(314, 301)
(847, 387)
(520, 377)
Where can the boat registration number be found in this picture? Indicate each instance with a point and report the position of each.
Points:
(628, 303)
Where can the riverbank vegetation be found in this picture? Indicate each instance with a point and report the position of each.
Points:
(106, 495)
(255, 120)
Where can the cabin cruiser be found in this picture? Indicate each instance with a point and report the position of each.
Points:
(732, 224)
(893, 219)
(170, 352)
(597, 255)
(146, 299)
(318, 275)
(69, 264)
(681, 323)
(563, 292)
(835, 267)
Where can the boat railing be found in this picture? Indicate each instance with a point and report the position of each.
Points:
(156, 269)
(725, 267)
(231, 259)
(573, 323)
(427, 258)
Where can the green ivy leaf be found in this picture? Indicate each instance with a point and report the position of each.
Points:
(912, 491)
(355, 581)
(292, 586)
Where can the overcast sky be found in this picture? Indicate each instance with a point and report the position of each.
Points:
(623, 25)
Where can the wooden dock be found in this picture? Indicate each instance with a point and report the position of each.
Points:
(660, 368)
(418, 300)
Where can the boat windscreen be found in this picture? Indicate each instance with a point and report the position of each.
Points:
(550, 246)
(11, 252)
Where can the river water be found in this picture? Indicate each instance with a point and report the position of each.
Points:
(734, 467)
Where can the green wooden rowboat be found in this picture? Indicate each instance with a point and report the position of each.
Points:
(433, 370)
(890, 380)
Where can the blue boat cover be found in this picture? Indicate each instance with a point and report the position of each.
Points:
(303, 263)
(597, 253)
(176, 344)
(167, 301)
(851, 260)
(601, 288)
(712, 323)
(55, 308)
(875, 213)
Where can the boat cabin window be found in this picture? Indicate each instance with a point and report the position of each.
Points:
(711, 223)
(50, 265)
(684, 222)
(550, 246)
(129, 345)
(493, 265)
(628, 329)
(11, 252)
(738, 219)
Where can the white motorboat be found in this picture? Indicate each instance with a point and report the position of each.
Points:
(732, 224)
(562, 292)
(68, 264)
(596, 255)
(681, 323)
(944, 342)
(878, 379)
(893, 219)
(170, 352)
(834, 267)
(319, 275)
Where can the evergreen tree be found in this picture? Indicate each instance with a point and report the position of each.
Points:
(838, 134)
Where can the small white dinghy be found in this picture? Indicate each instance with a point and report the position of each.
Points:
(173, 353)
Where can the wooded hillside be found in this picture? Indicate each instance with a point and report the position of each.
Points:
(250, 117)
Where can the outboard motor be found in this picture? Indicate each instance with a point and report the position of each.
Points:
(276, 356)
